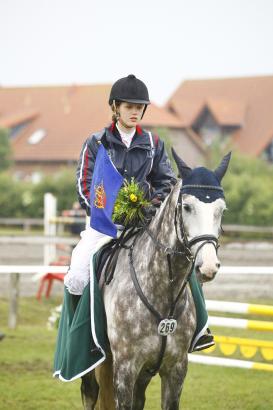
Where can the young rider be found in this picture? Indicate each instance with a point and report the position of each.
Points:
(135, 152)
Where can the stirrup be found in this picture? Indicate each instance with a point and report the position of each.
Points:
(204, 342)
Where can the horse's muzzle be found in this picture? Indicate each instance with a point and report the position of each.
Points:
(205, 277)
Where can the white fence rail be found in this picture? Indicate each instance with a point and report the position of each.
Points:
(28, 222)
(38, 271)
(226, 270)
(221, 361)
(238, 307)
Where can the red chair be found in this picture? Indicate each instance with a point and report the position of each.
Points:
(48, 278)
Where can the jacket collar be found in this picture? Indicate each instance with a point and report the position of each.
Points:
(141, 137)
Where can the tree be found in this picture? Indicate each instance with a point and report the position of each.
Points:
(163, 135)
(5, 150)
(248, 186)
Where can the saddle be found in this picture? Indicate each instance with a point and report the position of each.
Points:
(106, 254)
(105, 259)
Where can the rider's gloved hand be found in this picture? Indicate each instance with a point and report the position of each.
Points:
(156, 201)
(167, 189)
(149, 212)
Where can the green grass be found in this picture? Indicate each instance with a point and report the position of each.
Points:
(26, 382)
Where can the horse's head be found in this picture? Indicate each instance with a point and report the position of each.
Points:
(200, 210)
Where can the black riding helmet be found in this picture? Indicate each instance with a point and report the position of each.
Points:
(130, 89)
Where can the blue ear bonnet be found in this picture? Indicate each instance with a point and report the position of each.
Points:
(203, 184)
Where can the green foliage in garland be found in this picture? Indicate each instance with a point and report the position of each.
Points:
(129, 204)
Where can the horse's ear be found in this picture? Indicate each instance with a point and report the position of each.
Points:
(183, 168)
(222, 168)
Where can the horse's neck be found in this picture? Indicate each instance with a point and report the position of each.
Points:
(163, 225)
(163, 231)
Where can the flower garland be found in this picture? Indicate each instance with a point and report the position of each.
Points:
(129, 204)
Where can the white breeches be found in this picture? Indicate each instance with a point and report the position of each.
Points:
(78, 275)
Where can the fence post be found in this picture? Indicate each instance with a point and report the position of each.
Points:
(50, 211)
(13, 300)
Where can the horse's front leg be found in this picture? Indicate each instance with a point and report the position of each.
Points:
(171, 384)
(140, 389)
(125, 376)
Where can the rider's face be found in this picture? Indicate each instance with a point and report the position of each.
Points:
(130, 113)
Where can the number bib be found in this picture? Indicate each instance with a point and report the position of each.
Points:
(167, 327)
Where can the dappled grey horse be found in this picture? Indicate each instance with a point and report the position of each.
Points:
(150, 312)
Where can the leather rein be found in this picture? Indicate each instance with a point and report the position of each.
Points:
(171, 320)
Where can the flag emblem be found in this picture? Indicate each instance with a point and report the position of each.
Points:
(100, 196)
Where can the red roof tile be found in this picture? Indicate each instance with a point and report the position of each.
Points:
(68, 114)
(246, 102)
(13, 119)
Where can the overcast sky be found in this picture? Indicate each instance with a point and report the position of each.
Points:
(162, 42)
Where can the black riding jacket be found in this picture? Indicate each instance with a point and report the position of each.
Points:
(145, 160)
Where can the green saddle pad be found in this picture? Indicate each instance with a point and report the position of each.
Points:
(82, 338)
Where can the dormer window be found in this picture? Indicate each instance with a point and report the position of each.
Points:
(268, 152)
(37, 136)
(16, 129)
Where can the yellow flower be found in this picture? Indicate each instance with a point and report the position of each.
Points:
(133, 198)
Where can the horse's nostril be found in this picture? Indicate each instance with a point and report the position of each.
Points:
(197, 268)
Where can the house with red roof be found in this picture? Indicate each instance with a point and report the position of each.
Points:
(49, 124)
(240, 109)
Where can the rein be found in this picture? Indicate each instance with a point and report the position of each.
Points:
(171, 319)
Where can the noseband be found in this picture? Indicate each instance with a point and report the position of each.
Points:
(179, 222)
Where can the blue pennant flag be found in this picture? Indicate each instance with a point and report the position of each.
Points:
(106, 183)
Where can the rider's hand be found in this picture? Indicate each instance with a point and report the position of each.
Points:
(149, 212)
(156, 202)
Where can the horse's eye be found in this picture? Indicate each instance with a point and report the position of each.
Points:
(187, 208)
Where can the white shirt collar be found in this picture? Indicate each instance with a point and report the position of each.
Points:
(126, 137)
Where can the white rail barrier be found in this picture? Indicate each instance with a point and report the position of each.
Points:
(32, 269)
(246, 270)
(221, 361)
(14, 271)
(236, 307)
(38, 240)
(240, 323)
(39, 271)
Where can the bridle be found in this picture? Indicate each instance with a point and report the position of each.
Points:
(179, 222)
(185, 250)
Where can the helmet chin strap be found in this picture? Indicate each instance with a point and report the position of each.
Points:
(145, 108)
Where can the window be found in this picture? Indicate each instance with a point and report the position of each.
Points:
(37, 136)
(17, 128)
(268, 152)
(206, 126)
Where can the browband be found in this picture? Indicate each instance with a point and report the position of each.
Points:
(217, 188)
